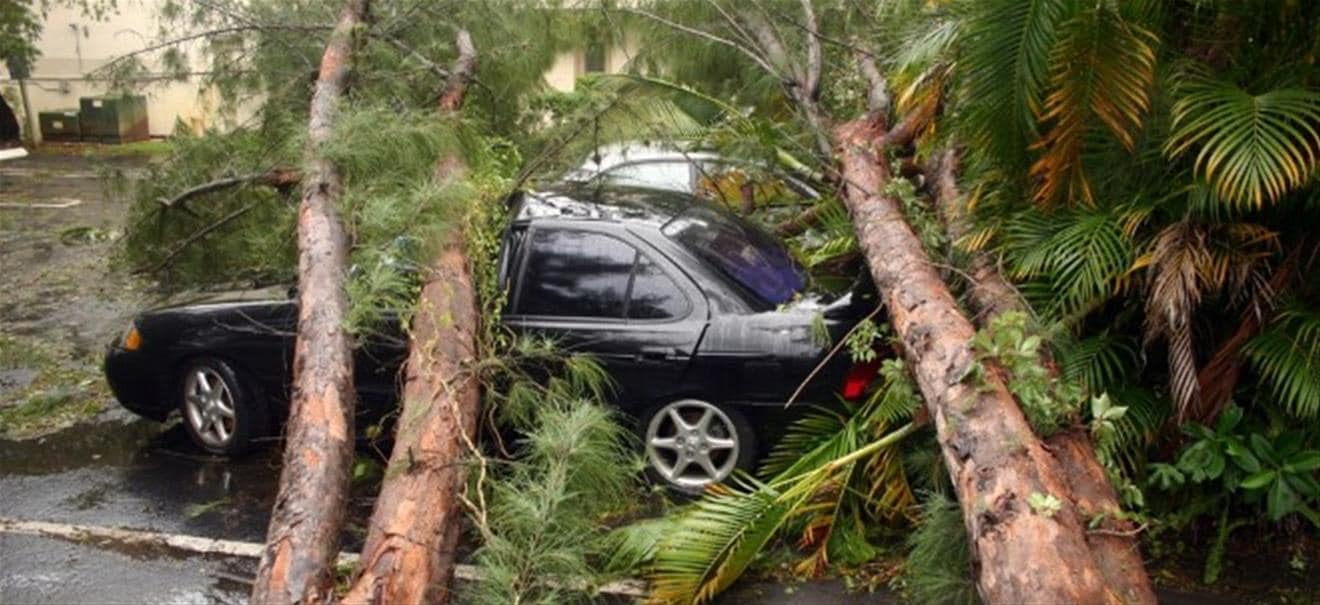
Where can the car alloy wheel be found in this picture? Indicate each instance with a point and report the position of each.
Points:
(692, 444)
(209, 407)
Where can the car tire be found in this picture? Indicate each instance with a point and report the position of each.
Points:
(690, 443)
(223, 410)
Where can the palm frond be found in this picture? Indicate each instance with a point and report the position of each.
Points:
(1253, 148)
(715, 541)
(1188, 262)
(1079, 255)
(1004, 59)
(1099, 361)
(1287, 356)
(1101, 69)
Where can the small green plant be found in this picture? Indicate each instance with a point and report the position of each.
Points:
(1234, 465)
(1044, 504)
(861, 341)
(1049, 403)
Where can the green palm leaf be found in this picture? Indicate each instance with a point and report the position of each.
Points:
(1287, 355)
(1252, 148)
(715, 541)
(1076, 257)
(1004, 60)
(1100, 70)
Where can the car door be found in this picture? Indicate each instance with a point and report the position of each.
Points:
(602, 291)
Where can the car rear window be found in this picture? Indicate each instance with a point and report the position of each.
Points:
(749, 256)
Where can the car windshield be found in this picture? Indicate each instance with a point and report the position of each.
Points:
(749, 256)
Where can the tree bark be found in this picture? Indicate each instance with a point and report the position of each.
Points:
(303, 539)
(412, 540)
(1115, 550)
(414, 532)
(998, 466)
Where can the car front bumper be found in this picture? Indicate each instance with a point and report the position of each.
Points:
(137, 382)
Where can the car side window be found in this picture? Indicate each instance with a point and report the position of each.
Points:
(571, 273)
(654, 294)
(668, 176)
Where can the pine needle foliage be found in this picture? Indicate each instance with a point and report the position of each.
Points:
(938, 570)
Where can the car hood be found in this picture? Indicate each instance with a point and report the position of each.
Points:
(223, 297)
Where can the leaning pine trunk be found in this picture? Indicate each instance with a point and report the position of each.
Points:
(410, 548)
(998, 466)
(1115, 549)
(413, 538)
(303, 539)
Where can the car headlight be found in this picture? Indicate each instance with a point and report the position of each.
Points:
(132, 339)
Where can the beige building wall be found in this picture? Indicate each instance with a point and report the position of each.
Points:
(569, 66)
(73, 47)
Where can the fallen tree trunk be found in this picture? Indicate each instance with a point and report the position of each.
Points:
(1028, 537)
(412, 540)
(303, 539)
(413, 536)
(1114, 546)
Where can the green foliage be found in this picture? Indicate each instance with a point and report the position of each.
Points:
(1101, 70)
(1049, 404)
(543, 521)
(939, 563)
(1287, 355)
(1273, 466)
(1005, 48)
(253, 241)
(1074, 258)
(716, 539)
(1252, 148)
(1044, 504)
(827, 478)
(861, 341)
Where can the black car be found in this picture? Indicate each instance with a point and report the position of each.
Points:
(700, 317)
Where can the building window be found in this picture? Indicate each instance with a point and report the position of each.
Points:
(594, 58)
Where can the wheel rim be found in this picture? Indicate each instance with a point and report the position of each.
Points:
(692, 444)
(209, 407)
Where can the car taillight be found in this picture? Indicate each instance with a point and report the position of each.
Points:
(858, 378)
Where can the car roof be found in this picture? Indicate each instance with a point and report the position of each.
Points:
(601, 202)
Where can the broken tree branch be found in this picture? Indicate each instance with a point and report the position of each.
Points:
(279, 178)
(705, 35)
(197, 236)
(811, 75)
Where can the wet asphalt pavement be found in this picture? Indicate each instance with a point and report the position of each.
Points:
(122, 472)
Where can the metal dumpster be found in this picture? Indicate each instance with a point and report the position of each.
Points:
(61, 125)
(114, 119)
